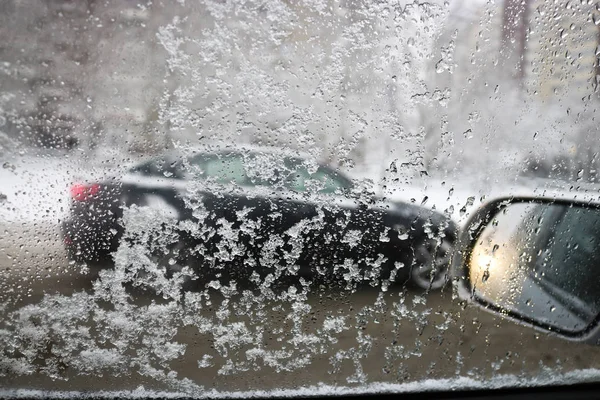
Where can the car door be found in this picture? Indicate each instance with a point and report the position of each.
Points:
(361, 240)
(247, 216)
(339, 227)
(271, 217)
(225, 212)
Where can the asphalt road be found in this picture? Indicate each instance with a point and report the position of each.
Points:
(434, 336)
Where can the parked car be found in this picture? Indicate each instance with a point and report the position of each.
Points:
(286, 211)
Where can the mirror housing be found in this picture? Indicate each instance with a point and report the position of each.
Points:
(507, 262)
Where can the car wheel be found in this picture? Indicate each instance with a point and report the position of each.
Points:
(432, 264)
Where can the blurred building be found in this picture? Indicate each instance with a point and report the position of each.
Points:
(561, 71)
(549, 48)
(81, 73)
(45, 53)
(561, 54)
(127, 78)
(524, 86)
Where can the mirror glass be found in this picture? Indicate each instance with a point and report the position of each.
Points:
(541, 261)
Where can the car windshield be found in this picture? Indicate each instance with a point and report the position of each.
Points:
(264, 197)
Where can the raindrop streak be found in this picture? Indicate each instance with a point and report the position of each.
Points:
(486, 275)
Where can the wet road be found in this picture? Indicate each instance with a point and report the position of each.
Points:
(399, 336)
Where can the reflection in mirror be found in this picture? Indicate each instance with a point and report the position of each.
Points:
(541, 261)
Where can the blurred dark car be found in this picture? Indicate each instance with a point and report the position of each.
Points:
(283, 210)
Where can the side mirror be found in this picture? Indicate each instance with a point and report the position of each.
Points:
(535, 261)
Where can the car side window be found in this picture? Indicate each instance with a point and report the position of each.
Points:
(264, 169)
(236, 168)
(159, 168)
(225, 169)
(321, 181)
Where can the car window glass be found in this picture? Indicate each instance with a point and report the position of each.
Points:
(265, 169)
(246, 169)
(159, 168)
(321, 181)
(218, 198)
(224, 169)
(228, 169)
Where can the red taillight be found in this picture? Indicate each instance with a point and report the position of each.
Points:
(81, 192)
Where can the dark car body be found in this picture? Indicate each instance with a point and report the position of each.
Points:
(243, 211)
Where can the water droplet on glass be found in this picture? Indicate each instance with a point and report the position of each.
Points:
(563, 33)
(486, 275)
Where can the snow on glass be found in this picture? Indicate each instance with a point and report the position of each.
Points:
(324, 77)
(240, 74)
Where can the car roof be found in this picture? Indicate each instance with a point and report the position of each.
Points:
(218, 147)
